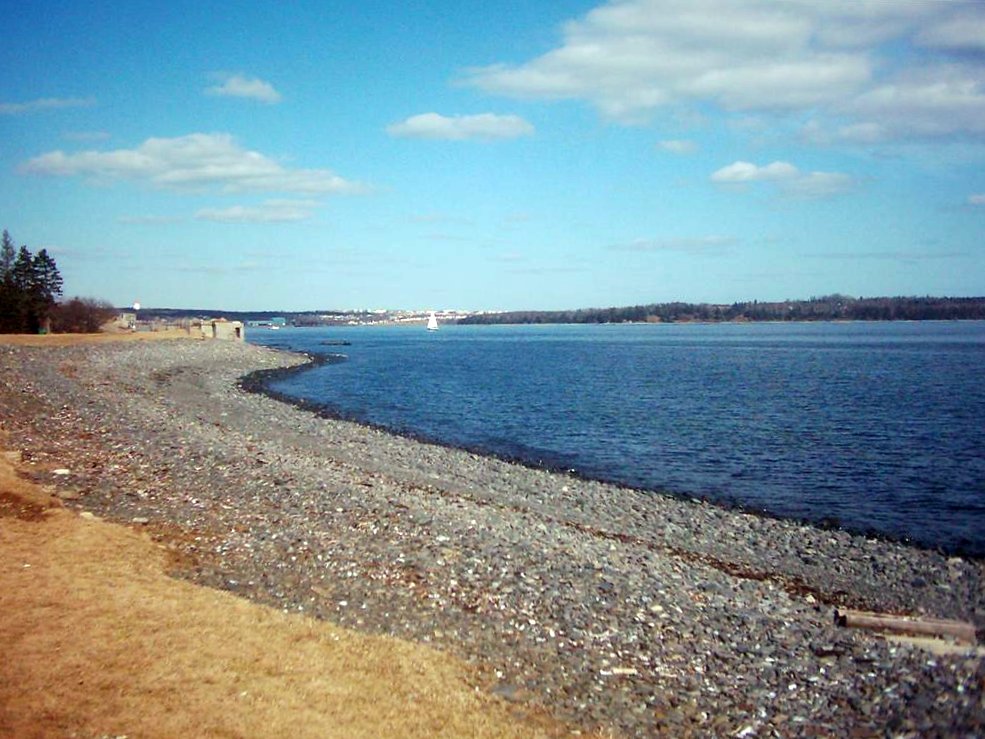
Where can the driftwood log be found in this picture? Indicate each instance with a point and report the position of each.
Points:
(960, 631)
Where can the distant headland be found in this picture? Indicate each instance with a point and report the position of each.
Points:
(826, 308)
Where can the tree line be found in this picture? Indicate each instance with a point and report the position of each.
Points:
(30, 286)
(824, 308)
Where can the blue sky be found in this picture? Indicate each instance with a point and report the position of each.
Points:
(496, 155)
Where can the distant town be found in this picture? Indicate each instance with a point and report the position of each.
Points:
(824, 308)
(267, 319)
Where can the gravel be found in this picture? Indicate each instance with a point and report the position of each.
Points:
(620, 610)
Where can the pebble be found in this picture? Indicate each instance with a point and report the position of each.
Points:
(618, 610)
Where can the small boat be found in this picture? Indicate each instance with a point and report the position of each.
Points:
(432, 322)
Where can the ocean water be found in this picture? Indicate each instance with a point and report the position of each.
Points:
(872, 427)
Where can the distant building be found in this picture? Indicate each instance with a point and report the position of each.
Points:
(220, 328)
(275, 322)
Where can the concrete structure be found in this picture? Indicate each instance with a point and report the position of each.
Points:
(220, 328)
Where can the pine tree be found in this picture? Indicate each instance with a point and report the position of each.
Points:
(46, 287)
(22, 273)
(46, 280)
(29, 290)
(7, 255)
(9, 321)
(22, 316)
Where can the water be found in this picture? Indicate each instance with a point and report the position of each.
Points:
(875, 427)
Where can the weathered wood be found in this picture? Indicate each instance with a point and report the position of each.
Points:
(961, 631)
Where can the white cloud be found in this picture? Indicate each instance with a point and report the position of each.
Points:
(197, 160)
(748, 172)
(976, 199)
(819, 185)
(855, 133)
(239, 86)
(271, 211)
(788, 178)
(677, 146)
(963, 30)
(836, 59)
(864, 23)
(630, 58)
(939, 100)
(33, 106)
(487, 126)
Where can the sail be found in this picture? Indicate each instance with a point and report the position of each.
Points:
(432, 322)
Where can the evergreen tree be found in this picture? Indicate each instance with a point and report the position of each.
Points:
(22, 272)
(30, 286)
(15, 303)
(8, 302)
(46, 280)
(45, 288)
(7, 255)
(22, 315)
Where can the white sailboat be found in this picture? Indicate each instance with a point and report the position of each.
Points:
(432, 322)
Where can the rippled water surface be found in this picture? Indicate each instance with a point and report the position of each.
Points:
(873, 426)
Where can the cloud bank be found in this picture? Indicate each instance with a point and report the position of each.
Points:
(899, 69)
(194, 161)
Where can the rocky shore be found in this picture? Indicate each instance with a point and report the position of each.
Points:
(630, 611)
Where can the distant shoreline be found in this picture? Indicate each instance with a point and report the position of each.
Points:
(558, 463)
(828, 308)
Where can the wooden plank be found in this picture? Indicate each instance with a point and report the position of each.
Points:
(961, 631)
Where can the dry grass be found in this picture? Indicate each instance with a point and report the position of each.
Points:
(101, 338)
(97, 640)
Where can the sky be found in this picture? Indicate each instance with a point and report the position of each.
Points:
(496, 155)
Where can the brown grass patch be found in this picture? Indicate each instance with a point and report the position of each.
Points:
(97, 640)
(101, 338)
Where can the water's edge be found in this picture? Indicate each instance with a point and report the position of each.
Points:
(260, 382)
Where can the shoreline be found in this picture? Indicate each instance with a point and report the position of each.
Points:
(614, 608)
(258, 382)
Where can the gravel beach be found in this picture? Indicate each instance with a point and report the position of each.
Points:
(624, 610)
